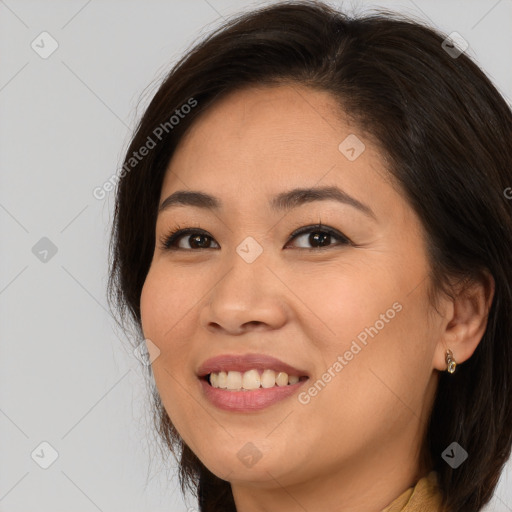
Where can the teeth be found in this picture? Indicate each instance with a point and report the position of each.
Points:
(234, 380)
(268, 379)
(252, 379)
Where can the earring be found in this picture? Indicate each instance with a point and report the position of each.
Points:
(450, 362)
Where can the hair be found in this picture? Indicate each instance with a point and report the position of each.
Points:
(445, 133)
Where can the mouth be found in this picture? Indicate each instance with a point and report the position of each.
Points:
(244, 401)
(249, 372)
(251, 380)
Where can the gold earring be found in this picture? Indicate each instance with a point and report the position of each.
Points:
(450, 362)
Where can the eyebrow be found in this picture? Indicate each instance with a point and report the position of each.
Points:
(279, 203)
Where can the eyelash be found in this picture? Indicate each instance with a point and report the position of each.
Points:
(168, 242)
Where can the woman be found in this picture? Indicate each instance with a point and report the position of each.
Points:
(312, 237)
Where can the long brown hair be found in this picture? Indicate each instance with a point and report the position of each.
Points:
(446, 134)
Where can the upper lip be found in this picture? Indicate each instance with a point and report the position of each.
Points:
(246, 362)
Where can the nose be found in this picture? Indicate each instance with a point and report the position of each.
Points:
(247, 297)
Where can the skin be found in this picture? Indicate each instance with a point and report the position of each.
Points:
(355, 445)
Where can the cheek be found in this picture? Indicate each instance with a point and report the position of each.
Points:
(392, 369)
(162, 307)
(169, 305)
(380, 330)
(348, 301)
(164, 304)
(165, 300)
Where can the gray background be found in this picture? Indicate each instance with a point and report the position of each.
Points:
(68, 377)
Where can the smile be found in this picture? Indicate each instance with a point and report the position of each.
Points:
(252, 379)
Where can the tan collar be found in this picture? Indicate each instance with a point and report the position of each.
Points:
(425, 496)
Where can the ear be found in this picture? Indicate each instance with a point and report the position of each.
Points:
(465, 321)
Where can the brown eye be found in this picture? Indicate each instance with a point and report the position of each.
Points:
(197, 239)
(319, 237)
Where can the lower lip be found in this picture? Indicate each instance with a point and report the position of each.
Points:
(247, 401)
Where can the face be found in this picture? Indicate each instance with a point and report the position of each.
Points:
(344, 304)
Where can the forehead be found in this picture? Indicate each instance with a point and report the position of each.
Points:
(284, 115)
(266, 135)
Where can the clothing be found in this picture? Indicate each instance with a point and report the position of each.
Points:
(425, 496)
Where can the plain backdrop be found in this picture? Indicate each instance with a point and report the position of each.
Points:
(70, 388)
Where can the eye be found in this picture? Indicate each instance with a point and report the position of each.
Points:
(198, 240)
(319, 237)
